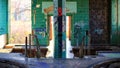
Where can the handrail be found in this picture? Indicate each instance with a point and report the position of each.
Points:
(81, 48)
(89, 45)
(38, 47)
(38, 55)
(26, 47)
(82, 52)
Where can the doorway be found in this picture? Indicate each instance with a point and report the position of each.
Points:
(68, 36)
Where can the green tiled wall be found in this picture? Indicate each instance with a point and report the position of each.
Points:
(81, 17)
(3, 16)
(40, 22)
(115, 31)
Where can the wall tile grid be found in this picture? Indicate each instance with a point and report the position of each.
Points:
(115, 25)
(81, 18)
(39, 22)
(3, 17)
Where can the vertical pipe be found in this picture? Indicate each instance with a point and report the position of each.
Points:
(60, 36)
(60, 29)
(89, 46)
(29, 45)
(34, 15)
(64, 29)
(81, 48)
(38, 47)
(109, 20)
(25, 46)
(55, 3)
(117, 21)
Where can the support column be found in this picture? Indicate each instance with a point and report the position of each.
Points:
(55, 18)
(64, 28)
(59, 28)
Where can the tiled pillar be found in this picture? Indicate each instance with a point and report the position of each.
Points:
(59, 28)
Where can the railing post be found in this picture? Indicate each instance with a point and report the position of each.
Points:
(26, 47)
(81, 49)
(30, 45)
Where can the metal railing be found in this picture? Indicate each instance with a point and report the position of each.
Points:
(37, 45)
(81, 48)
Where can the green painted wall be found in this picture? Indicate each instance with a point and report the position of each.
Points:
(115, 26)
(3, 16)
(39, 22)
(81, 17)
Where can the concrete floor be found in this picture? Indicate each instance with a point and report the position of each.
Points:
(18, 59)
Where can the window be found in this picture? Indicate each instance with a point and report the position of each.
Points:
(19, 20)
